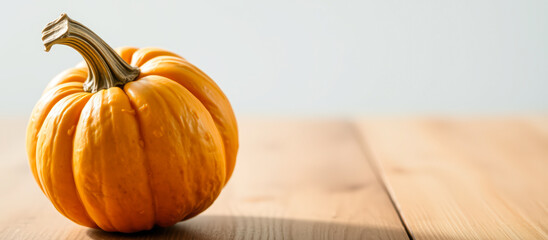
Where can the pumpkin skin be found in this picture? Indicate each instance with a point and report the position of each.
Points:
(155, 152)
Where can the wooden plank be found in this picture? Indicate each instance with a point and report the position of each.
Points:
(465, 178)
(300, 179)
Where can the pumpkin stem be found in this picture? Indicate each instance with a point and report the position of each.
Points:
(106, 68)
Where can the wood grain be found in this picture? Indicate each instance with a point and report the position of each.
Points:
(294, 179)
(482, 178)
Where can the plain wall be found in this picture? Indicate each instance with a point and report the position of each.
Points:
(310, 57)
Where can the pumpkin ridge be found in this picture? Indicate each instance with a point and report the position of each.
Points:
(54, 129)
(216, 131)
(35, 125)
(147, 160)
(160, 96)
(67, 104)
(67, 100)
(78, 194)
(152, 176)
(103, 169)
(72, 164)
(90, 104)
(107, 202)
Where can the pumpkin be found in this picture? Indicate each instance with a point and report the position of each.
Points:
(132, 138)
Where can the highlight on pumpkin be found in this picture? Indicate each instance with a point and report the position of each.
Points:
(132, 139)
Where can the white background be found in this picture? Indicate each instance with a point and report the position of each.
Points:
(310, 57)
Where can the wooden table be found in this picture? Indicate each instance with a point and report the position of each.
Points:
(421, 178)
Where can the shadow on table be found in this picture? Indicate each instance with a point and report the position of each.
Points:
(247, 227)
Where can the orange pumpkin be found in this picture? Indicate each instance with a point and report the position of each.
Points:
(141, 138)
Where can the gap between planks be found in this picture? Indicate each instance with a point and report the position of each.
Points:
(379, 173)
